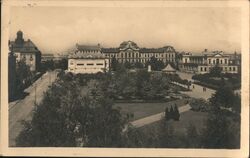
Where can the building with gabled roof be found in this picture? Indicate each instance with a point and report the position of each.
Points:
(25, 51)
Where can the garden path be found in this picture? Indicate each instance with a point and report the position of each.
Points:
(156, 117)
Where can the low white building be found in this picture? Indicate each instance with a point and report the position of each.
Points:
(202, 63)
(87, 59)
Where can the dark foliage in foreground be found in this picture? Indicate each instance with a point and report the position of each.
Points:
(78, 111)
(68, 117)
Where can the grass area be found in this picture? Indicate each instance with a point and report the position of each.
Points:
(189, 117)
(141, 110)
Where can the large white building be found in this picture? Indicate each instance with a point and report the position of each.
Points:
(87, 59)
(202, 63)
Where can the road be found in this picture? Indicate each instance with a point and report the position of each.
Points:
(22, 109)
(196, 90)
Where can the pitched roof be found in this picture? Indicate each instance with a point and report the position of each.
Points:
(24, 47)
(128, 45)
(169, 68)
(79, 55)
(110, 50)
(151, 50)
(88, 47)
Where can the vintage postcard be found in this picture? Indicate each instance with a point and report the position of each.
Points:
(125, 78)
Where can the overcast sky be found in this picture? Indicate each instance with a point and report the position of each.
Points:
(56, 29)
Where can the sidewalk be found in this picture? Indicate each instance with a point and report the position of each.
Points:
(156, 117)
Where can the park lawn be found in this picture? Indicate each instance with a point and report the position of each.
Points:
(186, 118)
(141, 110)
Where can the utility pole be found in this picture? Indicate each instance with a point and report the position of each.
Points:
(35, 94)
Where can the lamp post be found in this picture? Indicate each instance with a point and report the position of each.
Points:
(35, 94)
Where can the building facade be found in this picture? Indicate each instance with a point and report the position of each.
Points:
(87, 59)
(128, 51)
(202, 63)
(25, 51)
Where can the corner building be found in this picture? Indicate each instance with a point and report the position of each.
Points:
(25, 51)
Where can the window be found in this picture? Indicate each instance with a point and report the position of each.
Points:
(80, 64)
(225, 68)
(201, 69)
(185, 60)
(221, 61)
(233, 68)
(230, 69)
(89, 64)
(209, 61)
(205, 69)
(99, 64)
(225, 61)
(217, 61)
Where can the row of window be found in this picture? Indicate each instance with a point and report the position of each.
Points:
(89, 51)
(88, 64)
(224, 68)
(135, 55)
(217, 61)
(142, 60)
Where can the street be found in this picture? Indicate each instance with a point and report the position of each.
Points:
(22, 109)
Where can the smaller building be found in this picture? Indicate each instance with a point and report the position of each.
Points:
(87, 59)
(47, 57)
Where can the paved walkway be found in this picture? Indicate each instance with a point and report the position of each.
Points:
(22, 109)
(196, 90)
(156, 117)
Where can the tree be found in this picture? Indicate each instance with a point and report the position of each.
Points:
(23, 76)
(215, 71)
(193, 137)
(224, 97)
(138, 65)
(114, 64)
(156, 64)
(217, 133)
(171, 112)
(127, 65)
(199, 105)
(221, 128)
(68, 116)
(176, 114)
(62, 64)
(167, 114)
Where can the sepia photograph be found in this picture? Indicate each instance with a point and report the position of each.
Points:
(122, 75)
